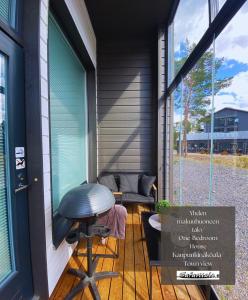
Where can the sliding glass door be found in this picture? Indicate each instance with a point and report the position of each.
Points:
(15, 265)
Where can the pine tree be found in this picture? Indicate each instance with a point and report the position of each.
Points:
(197, 90)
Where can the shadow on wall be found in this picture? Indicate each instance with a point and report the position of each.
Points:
(126, 109)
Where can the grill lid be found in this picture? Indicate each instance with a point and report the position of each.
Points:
(86, 200)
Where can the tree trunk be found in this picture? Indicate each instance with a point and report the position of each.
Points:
(186, 101)
(185, 124)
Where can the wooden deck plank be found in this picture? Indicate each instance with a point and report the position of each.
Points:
(144, 208)
(116, 287)
(108, 263)
(167, 290)
(194, 292)
(133, 265)
(181, 292)
(129, 278)
(140, 269)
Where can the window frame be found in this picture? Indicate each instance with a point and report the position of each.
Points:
(60, 226)
(15, 29)
(219, 22)
(212, 12)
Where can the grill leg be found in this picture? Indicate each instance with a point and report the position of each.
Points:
(79, 287)
(76, 272)
(89, 278)
(89, 251)
(95, 262)
(113, 255)
(94, 291)
(103, 275)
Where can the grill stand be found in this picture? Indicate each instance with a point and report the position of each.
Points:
(89, 277)
(113, 255)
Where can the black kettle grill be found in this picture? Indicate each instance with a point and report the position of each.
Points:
(85, 204)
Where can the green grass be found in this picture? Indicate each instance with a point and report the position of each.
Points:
(229, 288)
(233, 161)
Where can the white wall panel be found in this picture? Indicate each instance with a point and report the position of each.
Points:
(57, 258)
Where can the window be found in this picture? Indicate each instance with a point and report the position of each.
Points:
(4, 10)
(176, 102)
(219, 129)
(190, 23)
(230, 170)
(68, 115)
(219, 122)
(221, 3)
(210, 167)
(231, 121)
(192, 107)
(8, 11)
(6, 265)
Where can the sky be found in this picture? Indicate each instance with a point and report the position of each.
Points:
(232, 44)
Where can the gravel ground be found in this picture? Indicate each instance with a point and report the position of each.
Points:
(230, 188)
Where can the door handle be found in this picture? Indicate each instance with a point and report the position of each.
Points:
(22, 188)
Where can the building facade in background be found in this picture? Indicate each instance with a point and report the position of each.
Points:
(230, 133)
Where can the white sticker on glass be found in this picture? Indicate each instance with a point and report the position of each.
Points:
(19, 152)
(20, 163)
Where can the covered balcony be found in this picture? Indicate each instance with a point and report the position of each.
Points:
(147, 98)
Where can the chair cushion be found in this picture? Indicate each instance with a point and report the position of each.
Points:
(146, 184)
(131, 197)
(109, 181)
(129, 183)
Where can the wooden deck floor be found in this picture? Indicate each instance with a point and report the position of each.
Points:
(133, 266)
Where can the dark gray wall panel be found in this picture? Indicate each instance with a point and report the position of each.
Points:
(126, 71)
(125, 159)
(126, 152)
(134, 86)
(124, 137)
(92, 139)
(125, 101)
(161, 110)
(126, 107)
(125, 79)
(123, 63)
(31, 36)
(125, 116)
(131, 131)
(121, 145)
(112, 165)
(124, 93)
(125, 124)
